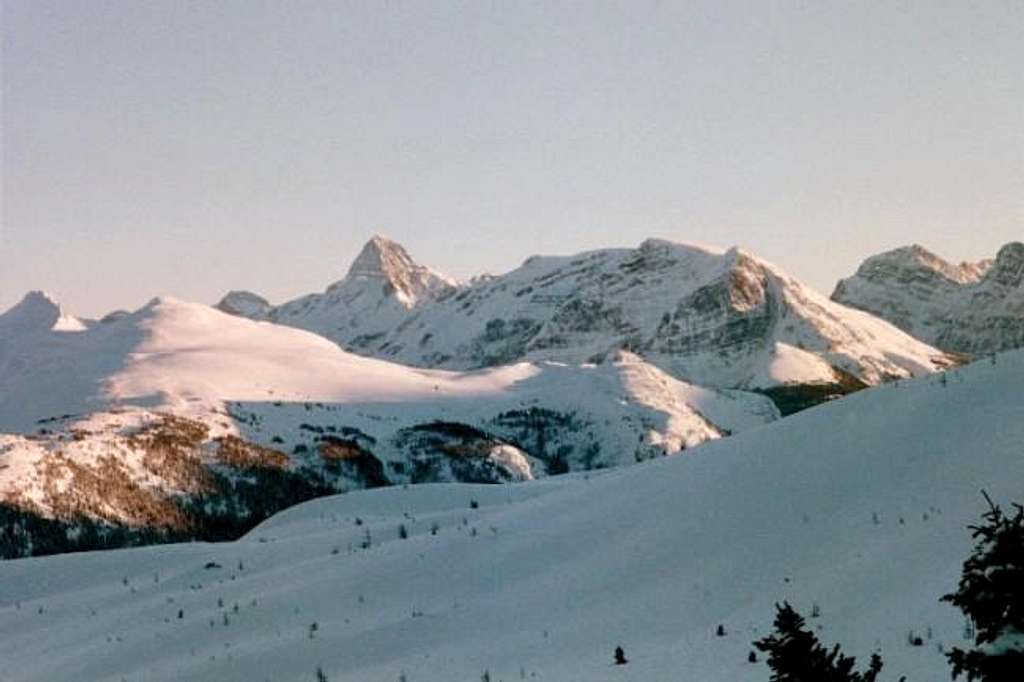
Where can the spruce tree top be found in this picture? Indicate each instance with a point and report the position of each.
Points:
(795, 655)
(991, 594)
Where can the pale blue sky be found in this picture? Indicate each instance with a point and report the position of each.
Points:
(189, 148)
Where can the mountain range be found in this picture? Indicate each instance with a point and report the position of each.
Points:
(716, 318)
(183, 421)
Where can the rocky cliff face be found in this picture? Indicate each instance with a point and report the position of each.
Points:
(972, 308)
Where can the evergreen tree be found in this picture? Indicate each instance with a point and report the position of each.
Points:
(795, 655)
(991, 595)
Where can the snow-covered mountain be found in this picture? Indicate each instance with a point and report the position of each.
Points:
(382, 286)
(37, 311)
(858, 507)
(143, 420)
(973, 308)
(716, 318)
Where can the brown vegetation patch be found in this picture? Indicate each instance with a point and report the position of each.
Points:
(241, 454)
(334, 449)
(106, 492)
(170, 450)
(347, 457)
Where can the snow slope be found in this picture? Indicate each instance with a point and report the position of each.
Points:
(716, 318)
(973, 308)
(86, 398)
(182, 357)
(858, 506)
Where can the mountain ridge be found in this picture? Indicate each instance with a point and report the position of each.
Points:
(973, 308)
(718, 317)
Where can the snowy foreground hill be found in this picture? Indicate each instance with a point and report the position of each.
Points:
(180, 421)
(858, 506)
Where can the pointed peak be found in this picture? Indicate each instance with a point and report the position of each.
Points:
(1011, 252)
(34, 303)
(38, 297)
(381, 256)
(381, 239)
(917, 258)
(1008, 268)
(387, 262)
(39, 310)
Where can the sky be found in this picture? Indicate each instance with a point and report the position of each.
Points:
(188, 148)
